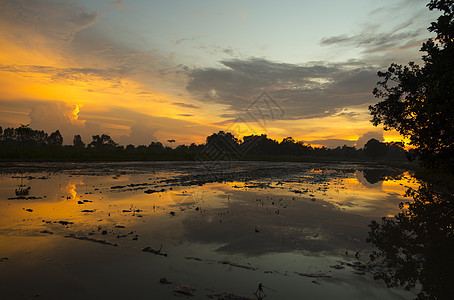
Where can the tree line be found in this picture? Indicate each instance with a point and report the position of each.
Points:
(24, 142)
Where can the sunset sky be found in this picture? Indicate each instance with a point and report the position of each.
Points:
(145, 71)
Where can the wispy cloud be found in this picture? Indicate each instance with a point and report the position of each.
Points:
(374, 42)
(66, 75)
(376, 37)
(117, 4)
(184, 40)
(60, 20)
(186, 105)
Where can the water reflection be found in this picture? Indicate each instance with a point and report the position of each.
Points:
(284, 219)
(71, 190)
(22, 190)
(307, 209)
(252, 223)
(417, 245)
(381, 174)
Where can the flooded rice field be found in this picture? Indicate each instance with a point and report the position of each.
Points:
(158, 230)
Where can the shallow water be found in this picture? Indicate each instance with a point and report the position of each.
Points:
(77, 231)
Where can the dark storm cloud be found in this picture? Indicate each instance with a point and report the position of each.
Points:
(302, 91)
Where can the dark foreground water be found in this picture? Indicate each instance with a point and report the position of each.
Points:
(78, 231)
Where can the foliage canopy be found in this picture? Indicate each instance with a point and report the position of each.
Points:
(418, 101)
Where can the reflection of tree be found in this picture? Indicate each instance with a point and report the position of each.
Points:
(417, 245)
(377, 175)
(22, 191)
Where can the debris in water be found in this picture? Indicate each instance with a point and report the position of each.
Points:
(338, 267)
(154, 251)
(117, 187)
(225, 262)
(86, 238)
(185, 290)
(227, 296)
(193, 258)
(149, 191)
(313, 275)
(64, 222)
(164, 280)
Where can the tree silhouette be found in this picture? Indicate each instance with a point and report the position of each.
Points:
(261, 145)
(223, 140)
(156, 147)
(375, 149)
(291, 147)
(55, 139)
(24, 134)
(419, 101)
(104, 142)
(77, 142)
(22, 142)
(130, 148)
